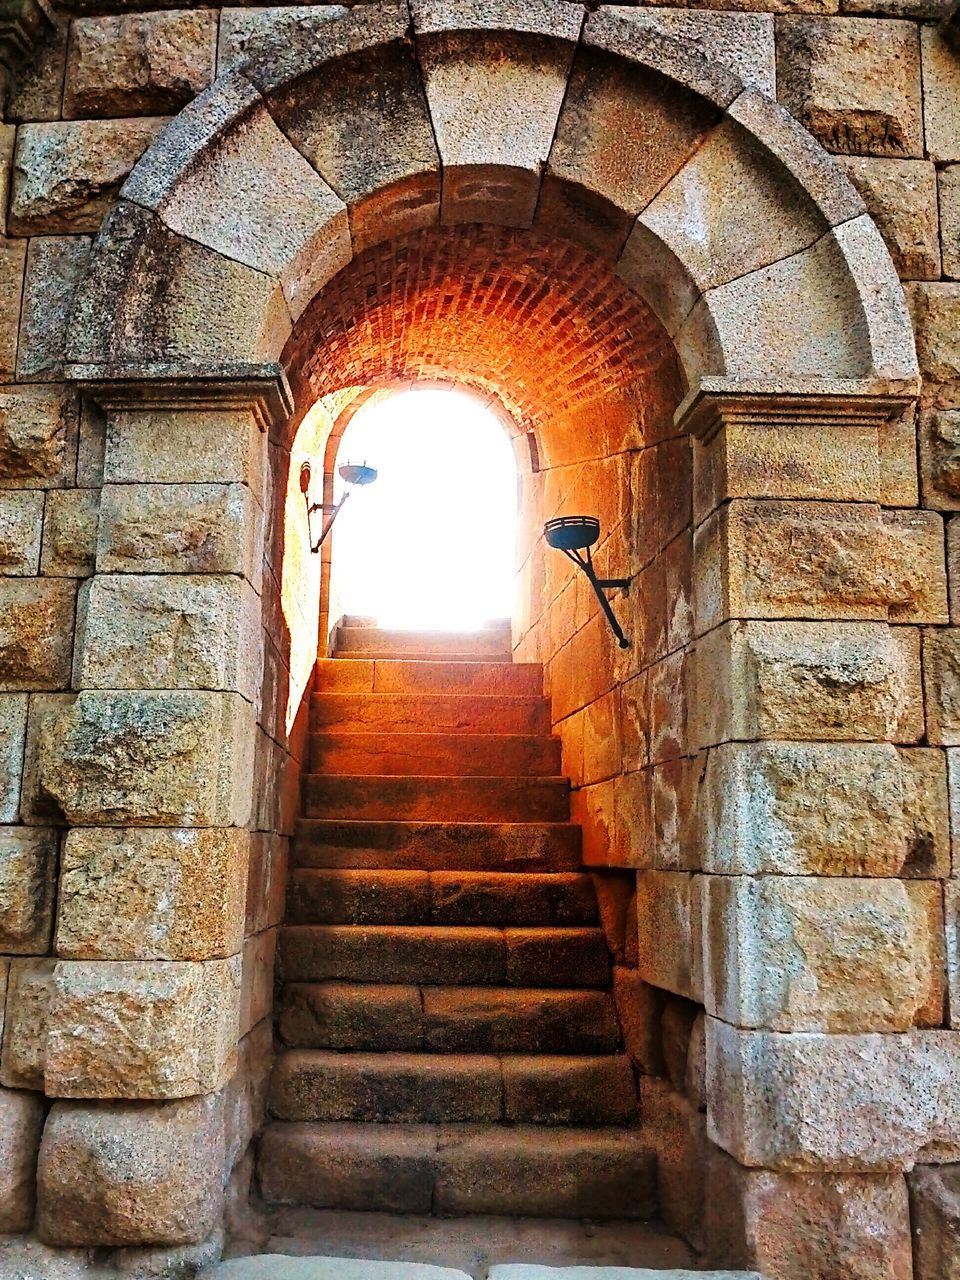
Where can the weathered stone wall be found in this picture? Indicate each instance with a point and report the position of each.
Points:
(773, 757)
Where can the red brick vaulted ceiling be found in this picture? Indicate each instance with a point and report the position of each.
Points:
(540, 323)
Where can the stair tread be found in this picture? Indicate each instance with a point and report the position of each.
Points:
(410, 1087)
(408, 896)
(447, 1019)
(445, 954)
(556, 1171)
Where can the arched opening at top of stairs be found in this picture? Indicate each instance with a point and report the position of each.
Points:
(647, 264)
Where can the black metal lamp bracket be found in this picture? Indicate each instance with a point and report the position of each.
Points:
(585, 562)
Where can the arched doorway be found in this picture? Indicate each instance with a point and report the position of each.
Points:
(790, 340)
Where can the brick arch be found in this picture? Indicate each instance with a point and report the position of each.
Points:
(706, 198)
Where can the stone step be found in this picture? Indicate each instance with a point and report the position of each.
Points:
(346, 896)
(452, 754)
(346, 1015)
(437, 846)
(366, 675)
(444, 956)
(434, 713)
(471, 799)
(413, 655)
(448, 1169)
(489, 643)
(451, 1088)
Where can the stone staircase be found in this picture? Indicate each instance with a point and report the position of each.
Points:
(449, 1039)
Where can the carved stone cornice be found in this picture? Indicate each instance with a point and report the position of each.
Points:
(719, 402)
(263, 389)
(23, 24)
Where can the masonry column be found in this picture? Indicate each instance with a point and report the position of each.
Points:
(812, 888)
(152, 765)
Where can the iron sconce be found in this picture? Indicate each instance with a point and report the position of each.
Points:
(574, 536)
(354, 475)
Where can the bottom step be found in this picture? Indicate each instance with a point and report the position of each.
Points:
(460, 1169)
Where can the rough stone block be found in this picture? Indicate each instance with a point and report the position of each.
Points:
(793, 1225)
(256, 993)
(668, 926)
(38, 437)
(791, 953)
(8, 137)
(935, 1218)
(949, 187)
(833, 1102)
(179, 528)
(677, 1133)
(638, 1008)
(13, 732)
(247, 33)
(67, 175)
(36, 632)
(139, 63)
(21, 1121)
(795, 460)
(141, 1029)
(169, 632)
(21, 524)
(36, 90)
(285, 220)
(13, 261)
(54, 267)
(935, 309)
(244, 1099)
(29, 990)
(391, 187)
(941, 683)
(819, 560)
(941, 95)
(174, 447)
(939, 436)
(744, 42)
(152, 894)
(494, 103)
(834, 809)
(28, 863)
(806, 680)
(150, 759)
(201, 308)
(901, 197)
(592, 192)
(130, 1174)
(953, 564)
(951, 911)
(853, 82)
(70, 533)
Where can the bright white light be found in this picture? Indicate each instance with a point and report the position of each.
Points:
(431, 543)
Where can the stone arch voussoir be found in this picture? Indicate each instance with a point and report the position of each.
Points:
(741, 233)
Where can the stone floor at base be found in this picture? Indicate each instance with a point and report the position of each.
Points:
(284, 1267)
(309, 1244)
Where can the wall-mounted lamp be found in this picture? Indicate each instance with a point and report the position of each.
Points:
(574, 536)
(353, 474)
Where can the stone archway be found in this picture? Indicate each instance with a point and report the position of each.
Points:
(760, 266)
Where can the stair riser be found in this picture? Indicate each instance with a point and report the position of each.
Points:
(446, 1019)
(437, 846)
(486, 644)
(444, 957)
(416, 754)
(416, 713)
(439, 898)
(437, 799)
(414, 1169)
(429, 676)
(390, 1088)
